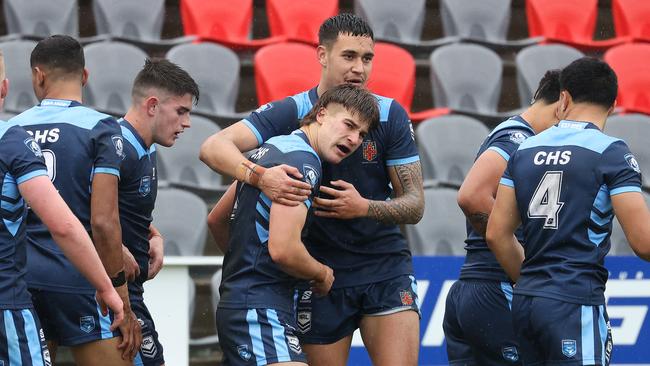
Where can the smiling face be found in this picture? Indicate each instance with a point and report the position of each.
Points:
(172, 117)
(347, 60)
(340, 132)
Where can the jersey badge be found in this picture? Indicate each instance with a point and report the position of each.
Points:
(304, 321)
(33, 146)
(518, 137)
(294, 344)
(119, 146)
(569, 347)
(259, 153)
(145, 185)
(148, 347)
(264, 107)
(87, 323)
(406, 297)
(243, 352)
(369, 151)
(510, 353)
(631, 160)
(310, 174)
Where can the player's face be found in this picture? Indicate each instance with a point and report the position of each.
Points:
(349, 60)
(172, 118)
(340, 134)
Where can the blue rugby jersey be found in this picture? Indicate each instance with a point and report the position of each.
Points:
(21, 159)
(480, 262)
(77, 143)
(564, 179)
(361, 250)
(250, 277)
(137, 196)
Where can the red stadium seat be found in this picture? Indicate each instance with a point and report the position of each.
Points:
(569, 22)
(630, 62)
(285, 69)
(632, 18)
(299, 20)
(223, 21)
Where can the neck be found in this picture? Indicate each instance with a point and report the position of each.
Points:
(588, 113)
(311, 130)
(64, 90)
(539, 116)
(141, 124)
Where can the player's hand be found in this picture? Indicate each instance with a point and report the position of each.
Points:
(131, 267)
(109, 299)
(156, 254)
(280, 186)
(322, 286)
(346, 202)
(129, 327)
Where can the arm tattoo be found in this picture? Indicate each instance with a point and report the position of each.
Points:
(408, 205)
(479, 221)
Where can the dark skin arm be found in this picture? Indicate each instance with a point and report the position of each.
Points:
(219, 218)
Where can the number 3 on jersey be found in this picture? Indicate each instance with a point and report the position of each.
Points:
(50, 163)
(545, 203)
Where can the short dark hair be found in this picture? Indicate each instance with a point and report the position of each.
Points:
(165, 75)
(344, 23)
(356, 100)
(590, 80)
(60, 53)
(548, 90)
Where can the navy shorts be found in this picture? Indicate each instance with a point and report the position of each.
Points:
(21, 339)
(327, 319)
(257, 337)
(478, 324)
(554, 332)
(151, 351)
(71, 319)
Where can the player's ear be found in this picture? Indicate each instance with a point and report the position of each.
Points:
(320, 116)
(84, 77)
(4, 88)
(38, 76)
(321, 53)
(151, 103)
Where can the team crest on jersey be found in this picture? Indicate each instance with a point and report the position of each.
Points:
(243, 352)
(148, 347)
(310, 174)
(145, 185)
(264, 108)
(294, 344)
(369, 150)
(510, 353)
(406, 297)
(304, 321)
(119, 145)
(631, 160)
(33, 146)
(518, 137)
(569, 347)
(87, 323)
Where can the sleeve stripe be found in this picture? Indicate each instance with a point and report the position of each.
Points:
(403, 161)
(36, 173)
(112, 171)
(255, 131)
(500, 151)
(507, 182)
(625, 189)
(307, 203)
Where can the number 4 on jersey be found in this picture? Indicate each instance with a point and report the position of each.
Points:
(545, 203)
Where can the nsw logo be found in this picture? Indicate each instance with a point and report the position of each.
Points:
(243, 352)
(145, 185)
(87, 324)
(510, 353)
(33, 146)
(569, 347)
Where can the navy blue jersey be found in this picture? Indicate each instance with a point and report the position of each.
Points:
(564, 179)
(137, 195)
(250, 277)
(361, 250)
(20, 160)
(77, 143)
(480, 262)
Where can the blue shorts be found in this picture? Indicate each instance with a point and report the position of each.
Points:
(327, 319)
(21, 339)
(71, 319)
(553, 332)
(151, 351)
(478, 324)
(257, 337)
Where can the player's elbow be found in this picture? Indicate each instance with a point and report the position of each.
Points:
(62, 229)
(206, 148)
(641, 249)
(492, 236)
(104, 224)
(464, 200)
(279, 252)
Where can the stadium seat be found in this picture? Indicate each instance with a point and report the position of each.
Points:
(4, 116)
(138, 22)
(630, 62)
(215, 68)
(533, 62)
(442, 228)
(181, 218)
(112, 67)
(21, 93)
(277, 78)
(570, 22)
(224, 21)
(632, 19)
(37, 19)
(634, 129)
(619, 243)
(448, 146)
(299, 20)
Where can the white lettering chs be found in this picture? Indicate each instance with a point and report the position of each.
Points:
(552, 158)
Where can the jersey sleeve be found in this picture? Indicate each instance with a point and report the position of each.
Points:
(310, 168)
(506, 178)
(109, 147)
(507, 142)
(273, 119)
(24, 154)
(620, 169)
(401, 148)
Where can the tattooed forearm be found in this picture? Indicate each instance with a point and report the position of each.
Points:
(408, 205)
(479, 221)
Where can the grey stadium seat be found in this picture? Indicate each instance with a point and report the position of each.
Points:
(466, 77)
(112, 67)
(533, 62)
(21, 93)
(634, 129)
(442, 228)
(40, 18)
(619, 243)
(181, 218)
(448, 146)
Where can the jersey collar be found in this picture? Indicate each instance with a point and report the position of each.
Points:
(313, 95)
(128, 126)
(577, 125)
(59, 103)
(521, 120)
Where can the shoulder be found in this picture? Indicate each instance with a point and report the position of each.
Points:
(390, 110)
(292, 144)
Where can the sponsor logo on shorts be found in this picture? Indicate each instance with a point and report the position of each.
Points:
(306, 296)
(304, 321)
(294, 344)
(369, 150)
(406, 297)
(148, 347)
(243, 352)
(46, 357)
(41, 335)
(510, 353)
(87, 323)
(569, 347)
